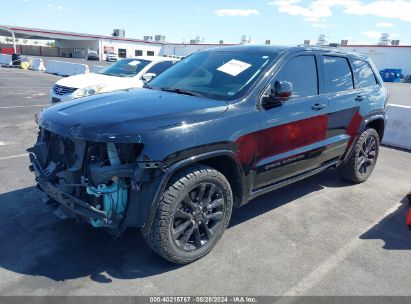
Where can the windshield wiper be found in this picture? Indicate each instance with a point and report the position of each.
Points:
(147, 86)
(181, 91)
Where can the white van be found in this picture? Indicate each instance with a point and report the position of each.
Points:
(124, 74)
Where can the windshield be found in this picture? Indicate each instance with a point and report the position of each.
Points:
(125, 68)
(221, 75)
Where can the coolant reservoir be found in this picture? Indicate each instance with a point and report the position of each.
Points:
(115, 196)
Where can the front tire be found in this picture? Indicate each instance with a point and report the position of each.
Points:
(363, 158)
(192, 215)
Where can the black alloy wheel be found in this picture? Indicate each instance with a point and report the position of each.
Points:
(198, 217)
(191, 216)
(363, 158)
(367, 156)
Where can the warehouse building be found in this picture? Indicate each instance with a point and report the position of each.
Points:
(386, 54)
(76, 45)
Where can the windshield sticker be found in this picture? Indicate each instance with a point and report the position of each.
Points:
(134, 63)
(234, 67)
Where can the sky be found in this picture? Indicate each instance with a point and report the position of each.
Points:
(286, 22)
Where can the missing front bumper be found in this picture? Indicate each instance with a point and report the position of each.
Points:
(75, 206)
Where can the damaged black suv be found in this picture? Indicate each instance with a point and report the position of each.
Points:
(216, 130)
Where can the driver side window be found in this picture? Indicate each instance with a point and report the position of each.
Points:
(301, 71)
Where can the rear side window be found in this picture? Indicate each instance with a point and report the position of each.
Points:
(301, 71)
(337, 74)
(364, 76)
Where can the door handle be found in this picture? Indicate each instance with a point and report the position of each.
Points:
(359, 98)
(318, 106)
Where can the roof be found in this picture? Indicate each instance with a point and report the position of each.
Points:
(34, 33)
(275, 49)
(252, 48)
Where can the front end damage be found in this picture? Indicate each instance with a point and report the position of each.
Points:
(99, 183)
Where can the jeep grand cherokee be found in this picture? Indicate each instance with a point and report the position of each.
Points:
(216, 130)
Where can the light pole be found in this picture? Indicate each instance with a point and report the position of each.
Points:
(14, 41)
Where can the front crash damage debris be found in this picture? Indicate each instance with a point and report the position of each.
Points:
(94, 182)
(115, 196)
(115, 199)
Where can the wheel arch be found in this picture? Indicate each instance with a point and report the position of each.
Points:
(376, 120)
(378, 124)
(224, 161)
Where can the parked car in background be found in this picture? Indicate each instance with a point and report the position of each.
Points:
(93, 55)
(111, 56)
(216, 130)
(124, 74)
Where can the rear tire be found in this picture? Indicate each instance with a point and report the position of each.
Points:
(363, 158)
(192, 215)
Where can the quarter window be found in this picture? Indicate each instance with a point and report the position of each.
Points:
(337, 74)
(364, 76)
(301, 71)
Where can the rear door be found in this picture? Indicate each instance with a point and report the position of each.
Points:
(291, 139)
(367, 85)
(346, 103)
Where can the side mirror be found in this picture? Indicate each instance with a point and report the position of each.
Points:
(148, 76)
(279, 92)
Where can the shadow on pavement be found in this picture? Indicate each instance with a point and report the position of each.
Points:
(392, 229)
(282, 196)
(34, 242)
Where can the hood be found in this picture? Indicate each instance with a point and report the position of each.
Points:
(121, 116)
(112, 82)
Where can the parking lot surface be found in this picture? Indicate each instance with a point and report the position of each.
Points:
(400, 93)
(320, 236)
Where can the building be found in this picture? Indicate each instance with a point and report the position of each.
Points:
(70, 44)
(385, 53)
(76, 45)
(385, 56)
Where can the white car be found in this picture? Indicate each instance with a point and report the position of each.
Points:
(124, 74)
(111, 56)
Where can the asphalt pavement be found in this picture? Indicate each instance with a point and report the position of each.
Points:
(320, 236)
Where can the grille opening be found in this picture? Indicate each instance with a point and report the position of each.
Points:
(62, 90)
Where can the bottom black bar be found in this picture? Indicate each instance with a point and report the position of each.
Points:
(205, 299)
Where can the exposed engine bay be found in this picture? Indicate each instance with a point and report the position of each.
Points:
(90, 181)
